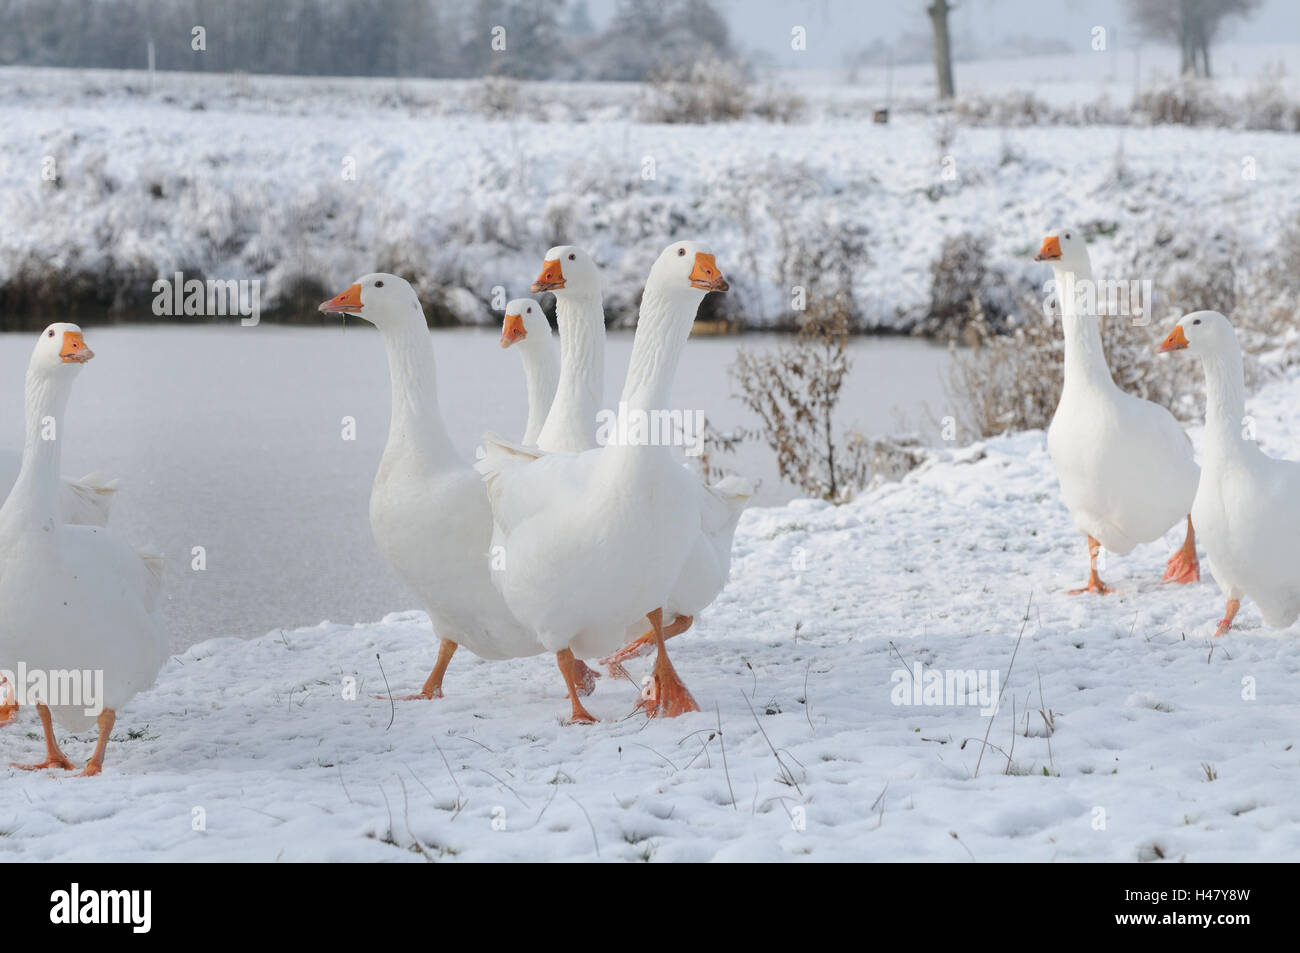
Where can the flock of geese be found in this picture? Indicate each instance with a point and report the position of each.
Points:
(556, 544)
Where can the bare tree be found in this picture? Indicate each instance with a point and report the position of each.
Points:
(939, 10)
(1192, 24)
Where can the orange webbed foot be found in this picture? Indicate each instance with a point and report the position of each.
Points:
(418, 696)
(1183, 567)
(581, 716)
(59, 762)
(584, 677)
(1095, 585)
(634, 649)
(666, 697)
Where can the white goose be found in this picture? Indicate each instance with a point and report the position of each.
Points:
(595, 540)
(84, 502)
(428, 510)
(75, 598)
(1248, 503)
(1125, 465)
(573, 277)
(525, 324)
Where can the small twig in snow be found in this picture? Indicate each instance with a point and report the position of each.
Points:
(589, 824)
(392, 705)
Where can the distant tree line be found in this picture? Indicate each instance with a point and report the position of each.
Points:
(1192, 24)
(543, 39)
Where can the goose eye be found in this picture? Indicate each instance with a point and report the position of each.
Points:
(681, 252)
(379, 284)
(50, 335)
(1197, 321)
(572, 257)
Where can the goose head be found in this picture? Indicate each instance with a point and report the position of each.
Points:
(525, 321)
(382, 299)
(1065, 249)
(1201, 333)
(60, 351)
(568, 270)
(686, 268)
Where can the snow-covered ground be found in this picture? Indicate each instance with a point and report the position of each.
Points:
(293, 181)
(1125, 732)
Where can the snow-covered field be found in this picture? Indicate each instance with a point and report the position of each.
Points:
(1125, 732)
(302, 181)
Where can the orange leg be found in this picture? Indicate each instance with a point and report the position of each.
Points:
(568, 664)
(1183, 565)
(8, 709)
(584, 677)
(666, 697)
(96, 763)
(643, 645)
(54, 758)
(1230, 613)
(1094, 581)
(433, 686)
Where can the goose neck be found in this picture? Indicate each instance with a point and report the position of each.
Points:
(1225, 403)
(416, 420)
(541, 375)
(663, 325)
(1085, 357)
(36, 491)
(571, 422)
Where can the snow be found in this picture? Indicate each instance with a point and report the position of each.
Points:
(247, 177)
(794, 663)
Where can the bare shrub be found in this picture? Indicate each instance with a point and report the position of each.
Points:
(496, 97)
(777, 104)
(1011, 109)
(884, 458)
(709, 90)
(715, 444)
(1010, 381)
(794, 390)
(1184, 101)
(959, 275)
(1269, 106)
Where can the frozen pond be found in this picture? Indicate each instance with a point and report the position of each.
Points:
(231, 439)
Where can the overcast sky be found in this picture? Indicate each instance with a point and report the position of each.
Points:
(837, 27)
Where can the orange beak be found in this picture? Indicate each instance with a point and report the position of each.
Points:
(706, 276)
(74, 349)
(512, 330)
(1176, 341)
(349, 302)
(1051, 250)
(551, 278)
